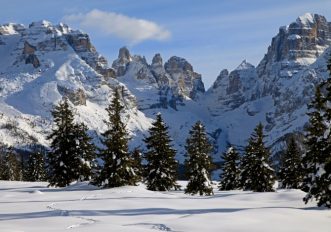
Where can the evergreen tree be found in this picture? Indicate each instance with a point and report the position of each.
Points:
(198, 163)
(229, 178)
(10, 167)
(291, 172)
(63, 160)
(317, 159)
(35, 169)
(118, 165)
(3, 175)
(85, 150)
(315, 141)
(323, 165)
(256, 174)
(161, 164)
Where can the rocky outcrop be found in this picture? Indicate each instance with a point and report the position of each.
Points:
(28, 49)
(295, 47)
(187, 83)
(230, 90)
(77, 97)
(80, 42)
(121, 62)
(174, 81)
(82, 45)
(32, 59)
(29, 55)
(43, 37)
(159, 72)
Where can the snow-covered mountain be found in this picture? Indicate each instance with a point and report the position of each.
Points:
(42, 63)
(277, 91)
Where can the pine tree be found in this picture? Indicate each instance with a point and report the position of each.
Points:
(36, 167)
(118, 165)
(323, 165)
(63, 160)
(256, 174)
(85, 150)
(198, 163)
(317, 160)
(229, 178)
(3, 175)
(315, 141)
(291, 172)
(10, 167)
(161, 164)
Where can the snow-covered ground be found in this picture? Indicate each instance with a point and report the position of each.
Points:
(36, 208)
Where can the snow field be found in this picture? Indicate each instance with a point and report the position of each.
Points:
(33, 207)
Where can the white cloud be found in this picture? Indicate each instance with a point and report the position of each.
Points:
(132, 30)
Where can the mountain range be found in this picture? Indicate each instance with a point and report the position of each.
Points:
(42, 63)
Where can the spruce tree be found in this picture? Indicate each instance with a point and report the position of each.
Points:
(161, 168)
(291, 172)
(63, 160)
(35, 169)
(314, 141)
(317, 159)
(229, 178)
(118, 165)
(85, 150)
(10, 167)
(323, 165)
(2, 162)
(198, 163)
(256, 174)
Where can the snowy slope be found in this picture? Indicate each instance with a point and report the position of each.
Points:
(45, 63)
(32, 207)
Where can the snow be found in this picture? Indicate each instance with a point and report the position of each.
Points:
(294, 37)
(32, 207)
(306, 19)
(244, 65)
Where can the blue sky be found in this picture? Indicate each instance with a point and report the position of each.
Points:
(210, 34)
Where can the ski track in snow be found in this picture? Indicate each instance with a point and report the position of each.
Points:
(65, 213)
(160, 227)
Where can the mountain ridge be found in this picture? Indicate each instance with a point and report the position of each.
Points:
(44, 63)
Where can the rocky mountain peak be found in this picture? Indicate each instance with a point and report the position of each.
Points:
(245, 65)
(188, 82)
(292, 49)
(308, 20)
(40, 24)
(124, 54)
(308, 37)
(11, 28)
(224, 74)
(157, 60)
(124, 57)
(177, 64)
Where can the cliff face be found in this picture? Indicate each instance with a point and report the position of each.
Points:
(173, 82)
(295, 47)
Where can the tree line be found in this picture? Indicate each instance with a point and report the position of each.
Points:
(74, 157)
